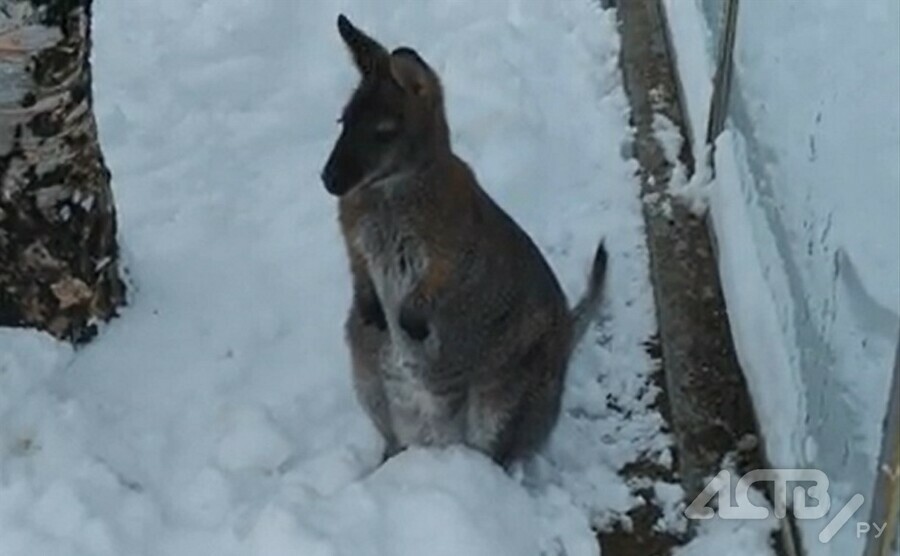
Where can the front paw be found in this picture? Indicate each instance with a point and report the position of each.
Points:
(372, 314)
(414, 323)
(390, 450)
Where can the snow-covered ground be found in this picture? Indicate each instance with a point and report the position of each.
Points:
(216, 415)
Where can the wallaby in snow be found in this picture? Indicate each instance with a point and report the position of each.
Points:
(459, 332)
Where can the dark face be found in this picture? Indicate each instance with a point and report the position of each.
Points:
(388, 128)
(374, 142)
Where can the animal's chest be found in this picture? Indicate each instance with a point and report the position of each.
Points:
(397, 260)
(395, 257)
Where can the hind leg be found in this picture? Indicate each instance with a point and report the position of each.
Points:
(512, 417)
(537, 418)
(368, 342)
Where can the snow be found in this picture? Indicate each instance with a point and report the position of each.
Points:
(747, 297)
(216, 415)
(751, 537)
(693, 46)
(742, 538)
(696, 64)
(692, 192)
(805, 206)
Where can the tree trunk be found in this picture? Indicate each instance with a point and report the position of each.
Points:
(59, 268)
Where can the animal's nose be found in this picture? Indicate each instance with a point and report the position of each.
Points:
(330, 179)
(327, 176)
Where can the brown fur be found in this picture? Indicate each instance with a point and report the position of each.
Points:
(459, 332)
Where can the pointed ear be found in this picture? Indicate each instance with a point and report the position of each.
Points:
(411, 72)
(369, 56)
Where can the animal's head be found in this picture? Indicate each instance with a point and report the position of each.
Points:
(394, 123)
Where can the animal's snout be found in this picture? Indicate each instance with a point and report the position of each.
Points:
(330, 178)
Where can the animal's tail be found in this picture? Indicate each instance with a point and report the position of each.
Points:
(585, 311)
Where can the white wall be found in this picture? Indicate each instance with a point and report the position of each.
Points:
(806, 209)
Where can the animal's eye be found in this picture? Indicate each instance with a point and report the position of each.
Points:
(385, 130)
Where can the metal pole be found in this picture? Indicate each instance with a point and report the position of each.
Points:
(718, 109)
(886, 495)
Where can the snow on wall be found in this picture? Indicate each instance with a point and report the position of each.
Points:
(806, 209)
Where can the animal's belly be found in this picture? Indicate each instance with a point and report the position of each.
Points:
(418, 417)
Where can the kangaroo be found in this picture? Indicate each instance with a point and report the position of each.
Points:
(459, 332)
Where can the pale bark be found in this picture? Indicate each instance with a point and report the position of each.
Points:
(58, 251)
